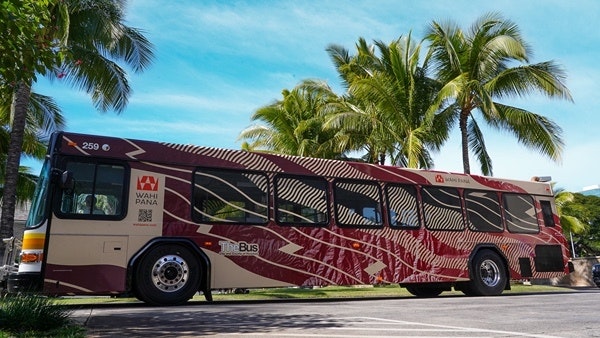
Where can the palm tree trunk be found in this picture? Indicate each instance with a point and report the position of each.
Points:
(464, 117)
(382, 158)
(19, 111)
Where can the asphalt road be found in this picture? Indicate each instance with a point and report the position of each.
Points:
(570, 314)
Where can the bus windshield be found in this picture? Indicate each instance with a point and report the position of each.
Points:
(39, 204)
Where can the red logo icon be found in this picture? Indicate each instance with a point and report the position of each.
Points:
(149, 183)
(439, 179)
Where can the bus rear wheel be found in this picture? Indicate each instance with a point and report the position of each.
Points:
(167, 275)
(489, 276)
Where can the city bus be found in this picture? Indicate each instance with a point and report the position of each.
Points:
(164, 221)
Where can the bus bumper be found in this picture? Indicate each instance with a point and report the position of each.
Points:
(24, 282)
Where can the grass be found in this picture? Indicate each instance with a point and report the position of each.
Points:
(329, 292)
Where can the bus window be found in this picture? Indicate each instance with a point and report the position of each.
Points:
(231, 196)
(547, 213)
(40, 200)
(520, 213)
(442, 209)
(483, 211)
(358, 203)
(301, 200)
(403, 206)
(98, 191)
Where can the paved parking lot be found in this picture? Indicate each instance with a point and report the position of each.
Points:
(571, 314)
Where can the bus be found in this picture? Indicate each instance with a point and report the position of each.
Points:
(164, 221)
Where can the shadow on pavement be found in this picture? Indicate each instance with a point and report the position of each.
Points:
(198, 323)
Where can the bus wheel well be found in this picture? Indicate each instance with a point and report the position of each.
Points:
(199, 255)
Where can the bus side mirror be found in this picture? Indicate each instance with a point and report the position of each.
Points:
(66, 180)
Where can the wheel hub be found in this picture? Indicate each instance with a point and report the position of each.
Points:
(170, 273)
(490, 273)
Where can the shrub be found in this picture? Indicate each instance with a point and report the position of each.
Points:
(26, 313)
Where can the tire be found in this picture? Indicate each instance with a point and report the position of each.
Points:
(167, 275)
(424, 291)
(489, 276)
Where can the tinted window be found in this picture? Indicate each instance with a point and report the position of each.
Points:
(441, 208)
(519, 212)
(547, 213)
(301, 200)
(358, 203)
(483, 211)
(98, 191)
(230, 196)
(403, 207)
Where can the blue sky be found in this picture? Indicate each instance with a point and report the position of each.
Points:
(218, 61)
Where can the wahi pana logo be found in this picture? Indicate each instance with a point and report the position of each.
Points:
(147, 183)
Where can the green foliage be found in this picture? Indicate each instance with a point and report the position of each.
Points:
(33, 316)
(295, 124)
(29, 44)
(587, 210)
(387, 103)
(484, 65)
(399, 106)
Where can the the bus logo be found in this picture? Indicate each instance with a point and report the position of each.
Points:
(148, 183)
(439, 179)
(238, 248)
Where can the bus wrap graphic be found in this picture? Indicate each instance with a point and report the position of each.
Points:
(225, 218)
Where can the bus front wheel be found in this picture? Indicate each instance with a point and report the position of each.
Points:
(167, 275)
(489, 276)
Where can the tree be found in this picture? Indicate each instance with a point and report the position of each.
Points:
(97, 40)
(33, 43)
(476, 69)
(43, 117)
(580, 220)
(294, 125)
(389, 95)
(361, 125)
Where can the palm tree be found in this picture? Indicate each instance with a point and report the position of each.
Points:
(359, 123)
(569, 223)
(476, 69)
(390, 96)
(43, 117)
(97, 39)
(294, 125)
